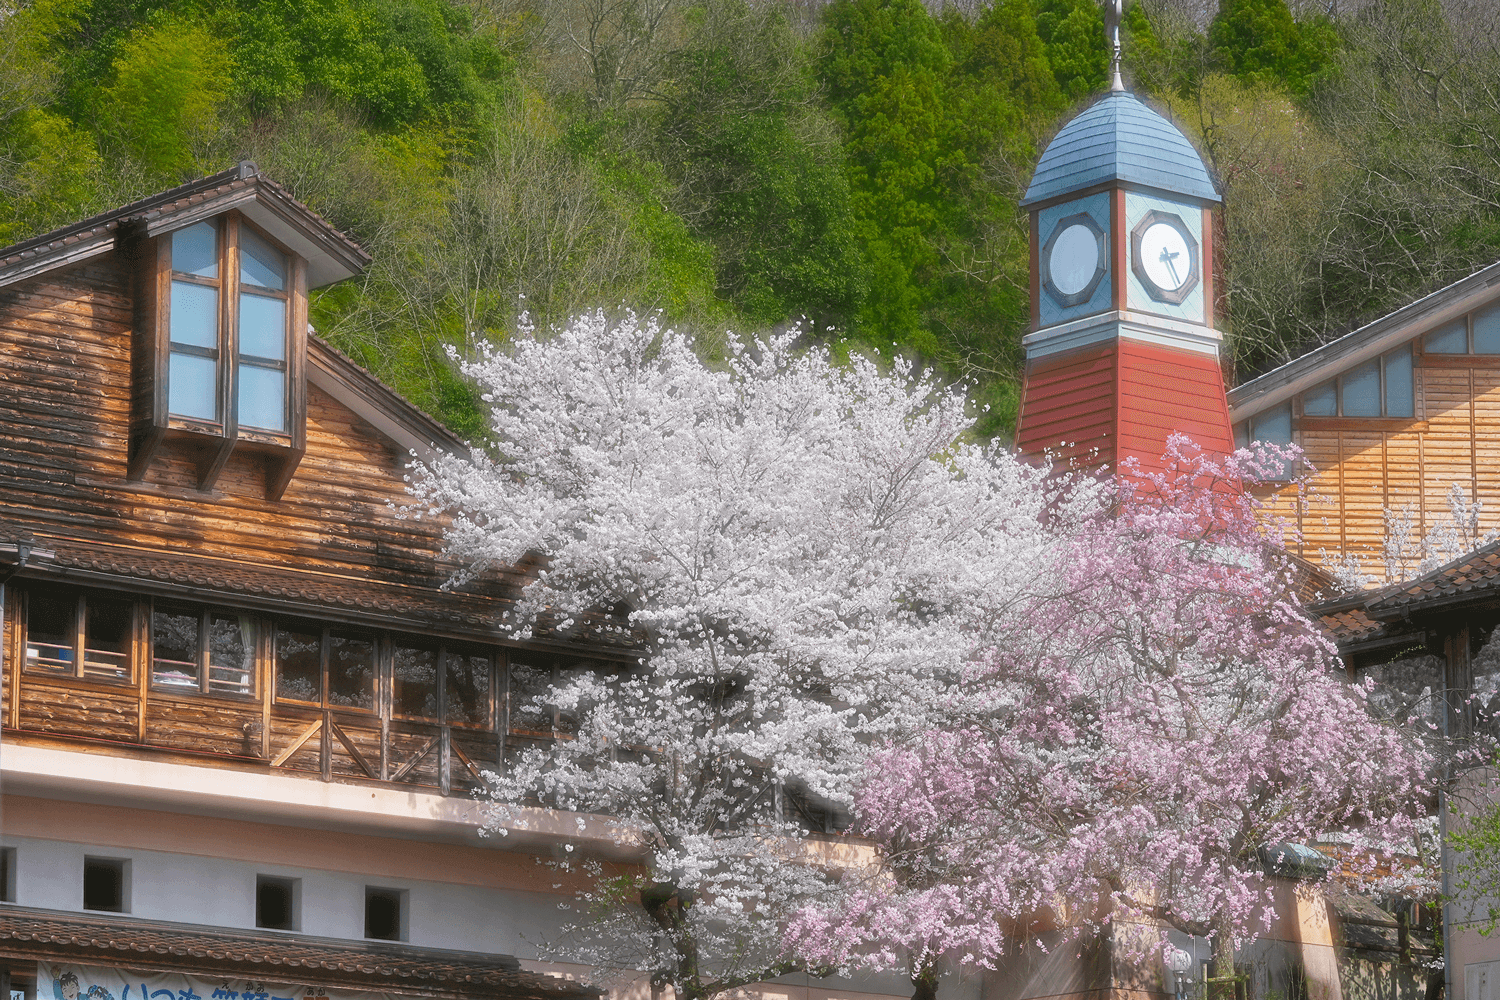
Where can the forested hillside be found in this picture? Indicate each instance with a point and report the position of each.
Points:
(741, 163)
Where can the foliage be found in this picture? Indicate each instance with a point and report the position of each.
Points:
(807, 556)
(1259, 42)
(1160, 711)
(161, 106)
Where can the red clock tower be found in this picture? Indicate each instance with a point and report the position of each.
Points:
(1123, 351)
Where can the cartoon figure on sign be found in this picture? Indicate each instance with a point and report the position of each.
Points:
(99, 993)
(65, 986)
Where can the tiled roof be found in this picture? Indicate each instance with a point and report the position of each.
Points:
(1350, 624)
(168, 947)
(1472, 576)
(1119, 138)
(97, 233)
(288, 591)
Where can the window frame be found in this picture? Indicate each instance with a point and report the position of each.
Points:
(204, 688)
(378, 639)
(79, 633)
(1468, 320)
(1337, 381)
(152, 422)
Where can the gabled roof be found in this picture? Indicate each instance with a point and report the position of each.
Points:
(331, 256)
(1119, 138)
(1369, 341)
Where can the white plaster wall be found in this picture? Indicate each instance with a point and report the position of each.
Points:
(220, 892)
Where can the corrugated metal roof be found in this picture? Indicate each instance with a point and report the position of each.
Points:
(1119, 138)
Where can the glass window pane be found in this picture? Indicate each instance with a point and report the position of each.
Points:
(195, 315)
(530, 681)
(1362, 390)
(468, 688)
(1487, 330)
(106, 639)
(263, 326)
(1450, 339)
(414, 682)
(195, 250)
(1275, 426)
(1321, 401)
(351, 671)
(1242, 435)
(192, 388)
(51, 617)
(174, 647)
(262, 398)
(231, 654)
(299, 675)
(260, 263)
(1398, 388)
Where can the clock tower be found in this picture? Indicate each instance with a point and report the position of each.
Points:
(1122, 350)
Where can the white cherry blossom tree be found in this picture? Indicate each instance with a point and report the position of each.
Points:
(809, 552)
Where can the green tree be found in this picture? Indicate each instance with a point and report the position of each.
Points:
(760, 169)
(1260, 42)
(1072, 32)
(162, 105)
(883, 66)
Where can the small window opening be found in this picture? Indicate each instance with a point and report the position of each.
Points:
(385, 914)
(276, 902)
(105, 884)
(7, 874)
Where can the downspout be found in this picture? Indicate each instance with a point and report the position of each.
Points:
(23, 552)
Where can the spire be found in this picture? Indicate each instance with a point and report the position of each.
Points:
(1114, 12)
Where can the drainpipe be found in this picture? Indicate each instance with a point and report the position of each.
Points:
(23, 549)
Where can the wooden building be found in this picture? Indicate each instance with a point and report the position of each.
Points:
(1391, 417)
(242, 720)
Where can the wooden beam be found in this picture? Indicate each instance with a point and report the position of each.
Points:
(410, 765)
(296, 744)
(349, 746)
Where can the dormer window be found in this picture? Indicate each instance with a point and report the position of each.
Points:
(223, 349)
(202, 329)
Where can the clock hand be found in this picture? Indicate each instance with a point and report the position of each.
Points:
(1167, 256)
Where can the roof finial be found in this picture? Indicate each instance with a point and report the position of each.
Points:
(1114, 13)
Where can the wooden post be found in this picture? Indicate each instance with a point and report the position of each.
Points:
(1458, 680)
(445, 760)
(325, 746)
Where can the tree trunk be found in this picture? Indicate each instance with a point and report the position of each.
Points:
(1224, 985)
(924, 981)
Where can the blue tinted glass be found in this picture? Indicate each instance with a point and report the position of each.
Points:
(195, 250)
(1362, 390)
(1241, 435)
(1274, 426)
(191, 389)
(1450, 339)
(260, 263)
(195, 315)
(1487, 331)
(263, 326)
(1321, 402)
(1398, 394)
(262, 398)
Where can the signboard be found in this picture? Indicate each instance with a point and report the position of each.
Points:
(90, 982)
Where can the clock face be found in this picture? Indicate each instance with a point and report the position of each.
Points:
(1074, 259)
(1164, 256)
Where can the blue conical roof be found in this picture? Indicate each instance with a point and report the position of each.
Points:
(1119, 138)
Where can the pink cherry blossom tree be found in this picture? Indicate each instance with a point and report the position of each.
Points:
(809, 552)
(1162, 710)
